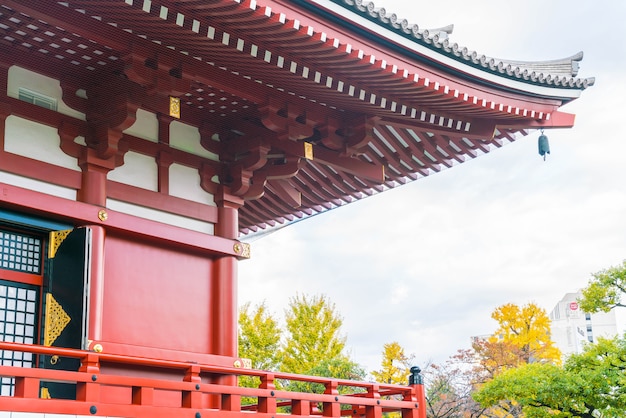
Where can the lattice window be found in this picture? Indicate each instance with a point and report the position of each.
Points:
(18, 323)
(20, 252)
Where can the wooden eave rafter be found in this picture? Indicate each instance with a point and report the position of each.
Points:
(419, 120)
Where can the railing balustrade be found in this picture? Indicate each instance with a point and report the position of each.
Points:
(124, 386)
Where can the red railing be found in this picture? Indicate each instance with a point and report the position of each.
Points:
(124, 386)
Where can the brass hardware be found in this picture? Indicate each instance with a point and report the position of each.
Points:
(103, 215)
(242, 249)
(55, 239)
(245, 251)
(308, 150)
(54, 359)
(97, 348)
(237, 364)
(45, 394)
(175, 107)
(55, 321)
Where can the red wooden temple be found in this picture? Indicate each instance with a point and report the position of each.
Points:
(140, 140)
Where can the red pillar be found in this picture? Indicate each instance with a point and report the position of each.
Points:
(224, 285)
(96, 284)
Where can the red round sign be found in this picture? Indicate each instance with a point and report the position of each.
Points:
(573, 306)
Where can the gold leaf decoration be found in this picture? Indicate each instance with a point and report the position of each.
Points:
(56, 320)
(56, 238)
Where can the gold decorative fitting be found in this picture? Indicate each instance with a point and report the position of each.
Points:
(175, 107)
(56, 238)
(54, 359)
(245, 251)
(103, 215)
(45, 394)
(237, 364)
(308, 150)
(56, 320)
(97, 348)
(242, 249)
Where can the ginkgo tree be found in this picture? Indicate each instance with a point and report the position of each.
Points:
(313, 334)
(395, 365)
(527, 330)
(259, 341)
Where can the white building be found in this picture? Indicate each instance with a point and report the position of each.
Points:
(572, 328)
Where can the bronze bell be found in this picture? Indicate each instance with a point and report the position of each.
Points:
(544, 146)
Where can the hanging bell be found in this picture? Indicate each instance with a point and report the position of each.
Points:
(544, 146)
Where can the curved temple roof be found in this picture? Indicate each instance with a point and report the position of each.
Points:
(558, 72)
(307, 104)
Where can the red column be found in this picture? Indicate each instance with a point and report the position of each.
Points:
(224, 284)
(96, 283)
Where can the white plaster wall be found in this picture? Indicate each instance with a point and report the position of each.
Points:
(21, 77)
(146, 126)
(36, 141)
(138, 170)
(185, 183)
(158, 216)
(187, 138)
(38, 186)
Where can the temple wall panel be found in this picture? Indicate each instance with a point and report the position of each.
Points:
(19, 77)
(184, 182)
(161, 216)
(187, 138)
(156, 296)
(138, 170)
(146, 126)
(37, 185)
(36, 141)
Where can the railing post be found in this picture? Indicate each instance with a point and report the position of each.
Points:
(416, 382)
(374, 411)
(332, 409)
(89, 391)
(300, 407)
(267, 404)
(192, 398)
(26, 387)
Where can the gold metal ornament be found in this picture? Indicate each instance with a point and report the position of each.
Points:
(55, 239)
(98, 348)
(55, 322)
(175, 107)
(103, 215)
(308, 150)
(237, 364)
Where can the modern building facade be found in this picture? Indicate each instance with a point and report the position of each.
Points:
(572, 328)
(141, 139)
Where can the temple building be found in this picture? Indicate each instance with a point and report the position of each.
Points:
(140, 140)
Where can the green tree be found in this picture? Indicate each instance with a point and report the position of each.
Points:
(259, 341)
(395, 365)
(590, 384)
(313, 334)
(605, 290)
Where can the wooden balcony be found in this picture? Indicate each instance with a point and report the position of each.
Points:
(123, 386)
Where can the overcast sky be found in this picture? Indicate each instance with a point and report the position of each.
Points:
(425, 264)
